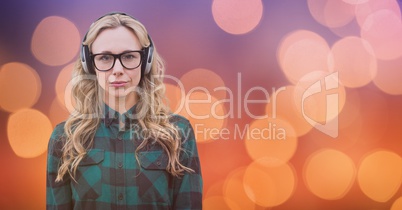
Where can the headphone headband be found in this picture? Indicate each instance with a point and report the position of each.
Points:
(85, 54)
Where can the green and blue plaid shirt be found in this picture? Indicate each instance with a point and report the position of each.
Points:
(110, 177)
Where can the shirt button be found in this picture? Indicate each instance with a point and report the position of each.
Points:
(120, 165)
(120, 196)
(158, 163)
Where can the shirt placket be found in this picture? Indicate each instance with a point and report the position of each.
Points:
(119, 169)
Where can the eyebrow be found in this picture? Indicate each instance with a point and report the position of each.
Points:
(109, 52)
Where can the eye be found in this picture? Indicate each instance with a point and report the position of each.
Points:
(130, 56)
(104, 58)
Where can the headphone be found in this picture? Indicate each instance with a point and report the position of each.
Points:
(86, 60)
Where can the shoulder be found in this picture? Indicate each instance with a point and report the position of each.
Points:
(56, 141)
(179, 121)
(188, 140)
(184, 127)
(58, 131)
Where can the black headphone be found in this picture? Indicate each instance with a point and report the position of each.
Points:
(86, 60)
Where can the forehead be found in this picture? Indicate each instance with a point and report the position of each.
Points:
(115, 40)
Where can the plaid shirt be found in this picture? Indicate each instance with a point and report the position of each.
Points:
(110, 177)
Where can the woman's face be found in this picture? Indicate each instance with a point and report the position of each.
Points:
(117, 82)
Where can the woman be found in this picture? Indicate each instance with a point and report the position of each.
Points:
(121, 148)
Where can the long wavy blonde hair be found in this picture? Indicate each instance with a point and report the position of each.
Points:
(151, 111)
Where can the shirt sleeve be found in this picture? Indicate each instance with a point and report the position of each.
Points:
(58, 194)
(188, 188)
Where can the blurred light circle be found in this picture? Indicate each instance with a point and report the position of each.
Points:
(206, 114)
(283, 105)
(219, 202)
(350, 29)
(272, 141)
(351, 110)
(355, 1)
(233, 189)
(380, 175)
(303, 52)
(175, 96)
(329, 174)
(397, 205)
(203, 80)
(386, 39)
(269, 186)
(331, 13)
(369, 125)
(57, 112)
(215, 189)
(55, 41)
(320, 97)
(237, 16)
(28, 132)
(63, 84)
(20, 86)
(349, 127)
(358, 71)
(365, 8)
(389, 76)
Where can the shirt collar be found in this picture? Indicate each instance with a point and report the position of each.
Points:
(111, 116)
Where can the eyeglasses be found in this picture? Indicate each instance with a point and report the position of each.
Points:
(129, 60)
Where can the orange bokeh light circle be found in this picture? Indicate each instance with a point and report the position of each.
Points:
(269, 186)
(397, 205)
(28, 132)
(380, 175)
(219, 202)
(237, 16)
(234, 190)
(329, 174)
(20, 86)
(271, 141)
(55, 41)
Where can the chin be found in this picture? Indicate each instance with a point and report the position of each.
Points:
(121, 93)
(117, 94)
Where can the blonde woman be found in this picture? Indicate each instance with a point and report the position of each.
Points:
(121, 148)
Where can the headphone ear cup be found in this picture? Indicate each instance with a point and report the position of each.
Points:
(86, 60)
(149, 51)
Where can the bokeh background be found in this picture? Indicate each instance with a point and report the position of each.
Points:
(253, 60)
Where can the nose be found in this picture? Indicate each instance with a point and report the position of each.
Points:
(118, 68)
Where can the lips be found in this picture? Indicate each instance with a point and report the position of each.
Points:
(118, 83)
